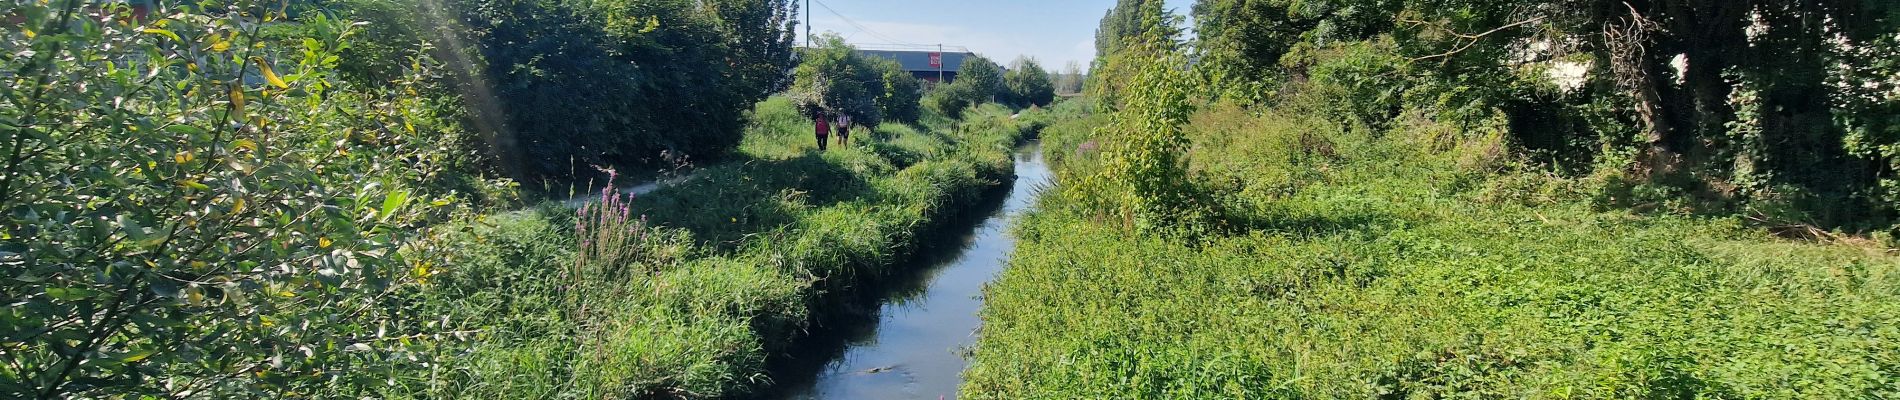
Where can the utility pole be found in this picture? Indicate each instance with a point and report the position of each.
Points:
(807, 24)
(940, 61)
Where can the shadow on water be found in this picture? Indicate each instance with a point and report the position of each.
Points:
(903, 337)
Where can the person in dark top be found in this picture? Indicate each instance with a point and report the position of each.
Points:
(824, 128)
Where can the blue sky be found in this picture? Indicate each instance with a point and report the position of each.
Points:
(1055, 32)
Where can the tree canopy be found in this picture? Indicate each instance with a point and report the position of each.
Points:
(1027, 84)
(1756, 100)
(982, 76)
(834, 78)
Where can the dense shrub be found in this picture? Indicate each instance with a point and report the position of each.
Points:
(1383, 264)
(1734, 101)
(634, 79)
(833, 78)
(983, 78)
(951, 100)
(193, 210)
(1144, 182)
(903, 93)
(1028, 85)
(1386, 229)
(557, 87)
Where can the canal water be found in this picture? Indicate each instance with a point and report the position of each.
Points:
(911, 346)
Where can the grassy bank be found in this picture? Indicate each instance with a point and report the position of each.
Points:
(722, 272)
(1420, 263)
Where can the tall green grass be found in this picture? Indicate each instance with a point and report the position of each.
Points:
(1421, 263)
(724, 270)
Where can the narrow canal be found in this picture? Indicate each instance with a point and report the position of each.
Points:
(912, 346)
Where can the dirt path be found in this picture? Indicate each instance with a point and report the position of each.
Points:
(640, 189)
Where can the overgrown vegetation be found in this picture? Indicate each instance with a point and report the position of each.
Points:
(1388, 266)
(195, 208)
(834, 79)
(980, 81)
(1027, 84)
(269, 199)
(724, 272)
(1410, 198)
(557, 86)
(1747, 106)
(1424, 199)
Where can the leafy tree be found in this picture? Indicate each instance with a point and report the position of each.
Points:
(834, 78)
(1241, 42)
(192, 211)
(951, 100)
(761, 36)
(1127, 22)
(903, 92)
(393, 33)
(1757, 96)
(1027, 84)
(1069, 81)
(1144, 179)
(557, 86)
(983, 77)
(1154, 31)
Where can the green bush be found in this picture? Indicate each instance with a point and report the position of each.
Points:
(983, 77)
(833, 78)
(1144, 182)
(657, 58)
(197, 209)
(903, 93)
(951, 100)
(1027, 84)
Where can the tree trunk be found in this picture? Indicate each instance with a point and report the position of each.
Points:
(1629, 39)
(1711, 34)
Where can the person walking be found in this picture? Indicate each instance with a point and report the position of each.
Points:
(823, 128)
(844, 129)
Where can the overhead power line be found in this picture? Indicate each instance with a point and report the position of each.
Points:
(861, 27)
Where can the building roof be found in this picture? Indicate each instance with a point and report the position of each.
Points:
(916, 60)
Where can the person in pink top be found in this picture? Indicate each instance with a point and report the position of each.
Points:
(824, 128)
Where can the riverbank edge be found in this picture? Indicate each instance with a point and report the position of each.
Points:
(834, 305)
(709, 314)
(841, 309)
(851, 275)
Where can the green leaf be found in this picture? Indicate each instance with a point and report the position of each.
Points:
(394, 201)
(269, 75)
(137, 355)
(162, 32)
(72, 294)
(131, 227)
